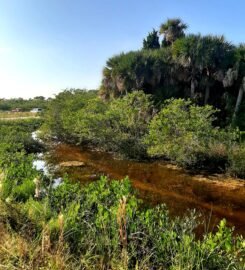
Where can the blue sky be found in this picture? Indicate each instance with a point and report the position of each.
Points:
(50, 45)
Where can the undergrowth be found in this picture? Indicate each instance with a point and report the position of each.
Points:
(102, 225)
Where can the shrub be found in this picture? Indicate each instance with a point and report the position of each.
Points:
(128, 119)
(183, 132)
(23, 191)
(64, 194)
(108, 225)
(18, 177)
(118, 126)
(237, 160)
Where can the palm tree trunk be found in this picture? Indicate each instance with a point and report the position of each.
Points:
(193, 87)
(239, 98)
(207, 93)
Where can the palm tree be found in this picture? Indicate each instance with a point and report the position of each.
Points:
(188, 52)
(204, 57)
(172, 29)
(241, 92)
(239, 74)
(235, 76)
(218, 55)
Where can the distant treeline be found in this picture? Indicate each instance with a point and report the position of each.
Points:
(23, 104)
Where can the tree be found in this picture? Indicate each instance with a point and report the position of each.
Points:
(218, 55)
(172, 29)
(39, 97)
(241, 78)
(151, 41)
(188, 52)
(61, 111)
(204, 57)
(131, 71)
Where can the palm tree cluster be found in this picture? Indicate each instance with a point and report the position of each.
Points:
(208, 69)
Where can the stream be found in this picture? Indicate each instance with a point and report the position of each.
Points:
(214, 196)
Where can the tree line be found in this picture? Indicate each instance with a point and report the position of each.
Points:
(23, 104)
(208, 69)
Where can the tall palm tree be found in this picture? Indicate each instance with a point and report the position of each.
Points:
(241, 92)
(218, 55)
(172, 29)
(235, 76)
(239, 71)
(188, 52)
(204, 57)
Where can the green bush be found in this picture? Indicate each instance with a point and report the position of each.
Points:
(119, 126)
(18, 177)
(59, 116)
(128, 119)
(184, 133)
(16, 162)
(103, 224)
(107, 225)
(23, 191)
(237, 160)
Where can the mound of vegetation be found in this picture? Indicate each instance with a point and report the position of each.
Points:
(132, 126)
(207, 69)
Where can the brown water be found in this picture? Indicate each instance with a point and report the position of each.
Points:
(215, 196)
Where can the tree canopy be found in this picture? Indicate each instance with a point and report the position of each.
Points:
(151, 41)
(208, 69)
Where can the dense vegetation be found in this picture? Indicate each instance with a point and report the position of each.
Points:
(207, 69)
(180, 99)
(132, 126)
(99, 226)
(16, 156)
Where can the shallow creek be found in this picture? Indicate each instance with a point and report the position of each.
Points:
(215, 196)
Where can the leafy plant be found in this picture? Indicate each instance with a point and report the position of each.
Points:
(184, 133)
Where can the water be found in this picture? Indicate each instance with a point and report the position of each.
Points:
(41, 164)
(158, 182)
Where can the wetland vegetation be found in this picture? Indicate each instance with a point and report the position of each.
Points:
(179, 101)
(102, 224)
